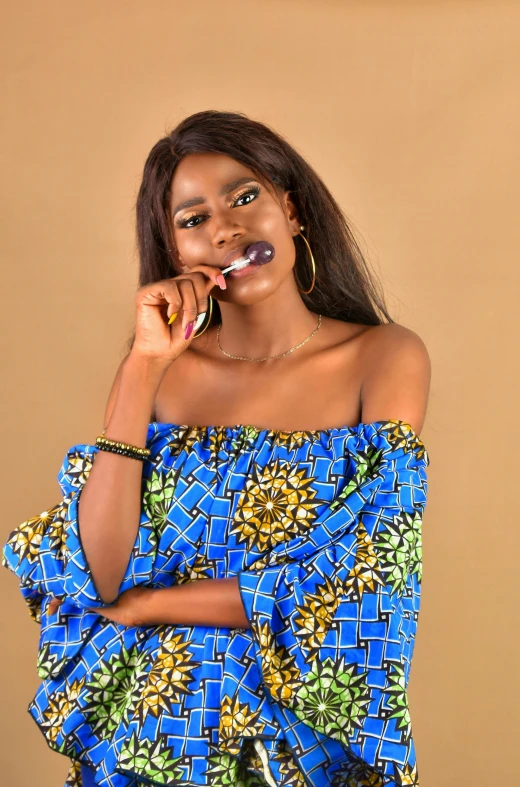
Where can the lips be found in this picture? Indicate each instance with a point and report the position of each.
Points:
(247, 270)
(234, 255)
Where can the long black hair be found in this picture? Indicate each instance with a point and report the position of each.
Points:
(345, 288)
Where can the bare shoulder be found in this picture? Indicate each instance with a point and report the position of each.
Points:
(394, 338)
(396, 375)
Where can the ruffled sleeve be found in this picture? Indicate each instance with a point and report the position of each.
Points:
(38, 551)
(46, 552)
(333, 612)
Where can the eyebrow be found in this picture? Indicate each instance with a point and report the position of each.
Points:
(226, 189)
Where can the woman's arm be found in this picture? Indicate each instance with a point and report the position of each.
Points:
(203, 602)
(109, 506)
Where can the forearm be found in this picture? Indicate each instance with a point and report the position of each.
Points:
(202, 602)
(109, 506)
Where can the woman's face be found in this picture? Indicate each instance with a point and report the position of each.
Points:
(227, 217)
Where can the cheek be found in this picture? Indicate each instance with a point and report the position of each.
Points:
(191, 246)
(276, 230)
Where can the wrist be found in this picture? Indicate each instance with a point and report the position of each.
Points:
(148, 367)
(140, 381)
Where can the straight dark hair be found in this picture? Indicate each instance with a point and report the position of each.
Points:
(345, 288)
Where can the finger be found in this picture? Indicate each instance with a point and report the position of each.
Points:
(178, 295)
(213, 276)
(54, 604)
(194, 300)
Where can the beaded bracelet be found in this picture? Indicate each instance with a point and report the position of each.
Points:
(124, 449)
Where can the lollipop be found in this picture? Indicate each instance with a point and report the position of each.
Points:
(258, 253)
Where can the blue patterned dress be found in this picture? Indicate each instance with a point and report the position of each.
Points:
(323, 530)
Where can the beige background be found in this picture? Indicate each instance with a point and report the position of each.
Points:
(409, 111)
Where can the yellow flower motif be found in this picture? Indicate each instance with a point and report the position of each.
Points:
(79, 467)
(169, 677)
(26, 539)
(280, 672)
(201, 569)
(60, 707)
(236, 721)
(408, 776)
(184, 438)
(217, 439)
(401, 435)
(275, 506)
(316, 614)
(288, 767)
(35, 607)
(366, 572)
(291, 440)
(357, 774)
(74, 775)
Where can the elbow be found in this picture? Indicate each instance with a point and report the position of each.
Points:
(86, 590)
(108, 598)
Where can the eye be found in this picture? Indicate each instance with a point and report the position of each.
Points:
(251, 192)
(186, 222)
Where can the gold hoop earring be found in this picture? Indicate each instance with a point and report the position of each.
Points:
(210, 312)
(306, 292)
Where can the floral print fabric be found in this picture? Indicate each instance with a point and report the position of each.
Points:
(323, 530)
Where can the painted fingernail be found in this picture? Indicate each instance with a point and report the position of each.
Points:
(199, 321)
(221, 282)
(172, 318)
(189, 329)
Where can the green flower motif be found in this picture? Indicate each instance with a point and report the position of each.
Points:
(114, 690)
(333, 698)
(398, 700)
(227, 771)
(246, 437)
(150, 759)
(399, 548)
(366, 464)
(47, 663)
(158, 495)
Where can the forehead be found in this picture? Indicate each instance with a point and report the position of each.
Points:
(199, 173)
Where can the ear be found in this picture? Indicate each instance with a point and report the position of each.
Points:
(291, 211)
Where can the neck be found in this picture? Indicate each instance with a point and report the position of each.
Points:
(270, 327)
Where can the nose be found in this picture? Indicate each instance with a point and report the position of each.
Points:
(226, 229)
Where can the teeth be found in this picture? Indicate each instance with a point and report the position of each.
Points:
(236, 264)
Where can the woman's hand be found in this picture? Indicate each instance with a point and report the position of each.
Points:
(53, 605)
(186, 295)
(129, 609)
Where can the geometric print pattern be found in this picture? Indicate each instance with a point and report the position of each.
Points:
(323, 530)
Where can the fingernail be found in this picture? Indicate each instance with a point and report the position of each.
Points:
(189, 329)
(199, 321)
(172, 318)
(221, 282)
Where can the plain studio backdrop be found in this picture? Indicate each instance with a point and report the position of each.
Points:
(409, 111)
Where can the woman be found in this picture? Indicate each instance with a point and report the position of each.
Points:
(240, 600)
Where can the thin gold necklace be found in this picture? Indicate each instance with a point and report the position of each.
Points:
(267, 357)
